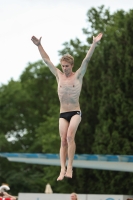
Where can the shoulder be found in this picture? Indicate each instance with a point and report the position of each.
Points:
(81, 71)
(59, 72)
(78, 74)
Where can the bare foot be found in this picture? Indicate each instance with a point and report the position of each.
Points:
(69, 172)
(62, 174)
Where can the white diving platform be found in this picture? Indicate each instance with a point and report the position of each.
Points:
(102, 162)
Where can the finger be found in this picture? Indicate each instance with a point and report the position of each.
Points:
(40, 38)
(100, 34)
(33, 38)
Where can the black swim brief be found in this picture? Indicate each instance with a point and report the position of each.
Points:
(69, 115)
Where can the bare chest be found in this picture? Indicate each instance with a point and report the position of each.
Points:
(71, 84)
(67, 82)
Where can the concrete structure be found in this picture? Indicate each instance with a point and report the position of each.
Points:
(40, 196)
(103, 162)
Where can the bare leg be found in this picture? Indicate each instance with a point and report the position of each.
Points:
(75, 120)
(63, 127)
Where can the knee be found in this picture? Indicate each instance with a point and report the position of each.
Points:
(70, 139)
(63, 142)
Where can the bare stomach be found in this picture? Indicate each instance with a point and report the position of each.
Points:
(69, 107)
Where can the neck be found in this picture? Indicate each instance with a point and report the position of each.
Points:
(68, 74)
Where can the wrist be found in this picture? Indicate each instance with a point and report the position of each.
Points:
(38, 43)
(94, 43)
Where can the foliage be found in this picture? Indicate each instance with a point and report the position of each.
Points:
(29, 110)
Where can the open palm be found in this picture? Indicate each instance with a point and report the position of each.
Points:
(35, 40)
(97, 38)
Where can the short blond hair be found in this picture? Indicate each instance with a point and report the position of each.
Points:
(68, 58)
(75, 195)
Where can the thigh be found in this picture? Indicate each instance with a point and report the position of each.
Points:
(63, 127)
(74, 123)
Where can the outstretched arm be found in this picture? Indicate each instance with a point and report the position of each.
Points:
(81, 71)
(44, 55)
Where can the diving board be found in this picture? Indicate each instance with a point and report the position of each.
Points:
(102, 162)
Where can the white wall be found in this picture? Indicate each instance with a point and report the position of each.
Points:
(54, 196)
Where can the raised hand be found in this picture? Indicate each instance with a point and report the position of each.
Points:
(36, 41)
(97, 38)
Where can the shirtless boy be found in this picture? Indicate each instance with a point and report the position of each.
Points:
(69, 88)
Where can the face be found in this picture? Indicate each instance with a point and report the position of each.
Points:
(73, 197)
(66, 67)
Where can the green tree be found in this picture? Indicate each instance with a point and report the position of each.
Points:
(30, 109)
(106, 98)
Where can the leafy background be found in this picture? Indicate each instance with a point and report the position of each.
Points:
(29, 111)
